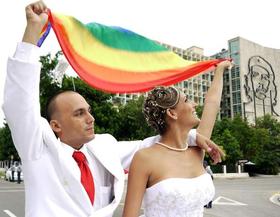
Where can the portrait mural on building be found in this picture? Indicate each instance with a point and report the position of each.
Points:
(260, 86)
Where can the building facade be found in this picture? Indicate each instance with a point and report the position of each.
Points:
(251, 88)
(195, 87)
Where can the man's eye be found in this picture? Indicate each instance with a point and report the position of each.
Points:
(79, 113)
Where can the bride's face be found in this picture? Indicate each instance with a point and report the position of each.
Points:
(186, 111)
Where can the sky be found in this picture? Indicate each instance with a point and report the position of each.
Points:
(208, 24)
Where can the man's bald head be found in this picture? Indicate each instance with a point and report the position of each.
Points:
(51, 106)
(70, 118)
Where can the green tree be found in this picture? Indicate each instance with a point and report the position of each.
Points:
(220, 126)
(246, 136)
(133, 125)
(48, 86)
(268, 160)
(7, 148)
(258, 139)
(230, 145)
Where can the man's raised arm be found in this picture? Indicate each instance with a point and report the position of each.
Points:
(21, 93)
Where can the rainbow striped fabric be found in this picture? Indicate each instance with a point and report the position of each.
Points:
(116, 60)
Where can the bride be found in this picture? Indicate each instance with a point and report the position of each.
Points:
(169, 176)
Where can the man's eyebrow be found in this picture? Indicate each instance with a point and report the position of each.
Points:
(78, 109)
(86, 108)
(81, 109)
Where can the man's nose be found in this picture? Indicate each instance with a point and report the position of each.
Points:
(90, 118)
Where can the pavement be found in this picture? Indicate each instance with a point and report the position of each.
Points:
(235, 197)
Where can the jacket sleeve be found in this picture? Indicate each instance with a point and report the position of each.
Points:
(21, 101)
(127, 149)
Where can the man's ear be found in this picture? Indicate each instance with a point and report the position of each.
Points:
(55, 126)
(172, 114)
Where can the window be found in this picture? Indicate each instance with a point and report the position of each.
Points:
(237, 71)
(234, 46)
(226, 77)
(234, 98)
(235, 58)
(237, 84)
(233, 72)
(237, 109)
(204, 88)
(238, 96)
(233, 83)
(234, 51)
(227, 89)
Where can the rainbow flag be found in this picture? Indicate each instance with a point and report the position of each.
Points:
(116, 60)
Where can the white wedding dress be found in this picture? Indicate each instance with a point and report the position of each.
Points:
(178, 197)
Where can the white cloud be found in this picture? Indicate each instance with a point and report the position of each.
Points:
(183, 23)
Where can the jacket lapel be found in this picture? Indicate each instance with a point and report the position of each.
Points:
(103, 149)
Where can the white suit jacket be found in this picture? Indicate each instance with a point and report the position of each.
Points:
(52, 188)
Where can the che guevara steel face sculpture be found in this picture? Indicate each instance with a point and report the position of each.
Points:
(260, 87)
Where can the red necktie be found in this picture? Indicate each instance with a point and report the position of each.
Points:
(86, 176)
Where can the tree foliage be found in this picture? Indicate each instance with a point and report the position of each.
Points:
(230, 146)
(133, 125)
(7, 149)
(268, 160)
(47, 85)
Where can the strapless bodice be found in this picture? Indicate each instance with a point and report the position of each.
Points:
(179, 197)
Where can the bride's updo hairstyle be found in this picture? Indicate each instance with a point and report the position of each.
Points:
(155, 105)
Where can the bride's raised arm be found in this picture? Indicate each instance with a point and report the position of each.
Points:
(213, 100)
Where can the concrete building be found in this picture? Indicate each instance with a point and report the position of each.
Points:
(197, 86)
(251, 88)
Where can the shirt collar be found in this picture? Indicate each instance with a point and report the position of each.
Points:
(69, 150)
